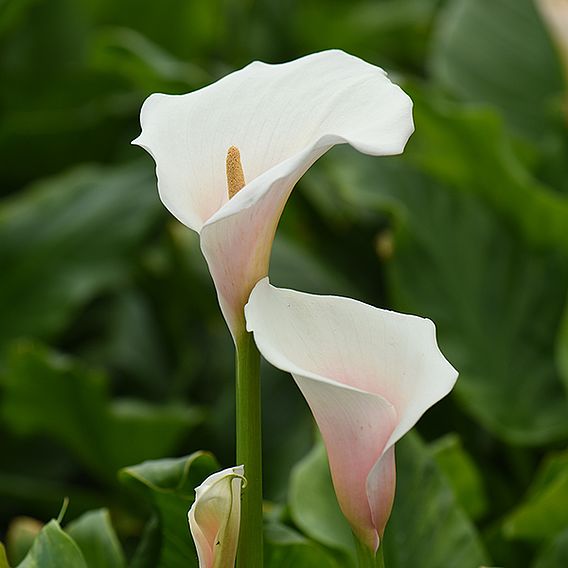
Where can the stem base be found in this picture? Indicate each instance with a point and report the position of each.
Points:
(249, 451)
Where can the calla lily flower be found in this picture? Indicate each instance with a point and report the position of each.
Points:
(215, 516)
(367, 374)
(228, 155)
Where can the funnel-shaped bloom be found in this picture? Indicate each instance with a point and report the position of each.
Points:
(227, 156)
(367, 374)
(215, 516)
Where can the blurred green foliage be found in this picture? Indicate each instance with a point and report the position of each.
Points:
(112, 348)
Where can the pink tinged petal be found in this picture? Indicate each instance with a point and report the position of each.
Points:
(214, 518)
(282, 118)
(381, 484)
(384, 367)
(355, 427)
(237, 241)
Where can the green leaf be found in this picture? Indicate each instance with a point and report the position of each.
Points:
(95, 536)
(285, 548)
(555, 555)
(313, 506)
(498, 52)
(48, 394)
(65, 240)
(392, 33)
(141, 430)
(127, 53)
(461, 473)
(485, 290)
(148, 549)
(424, 502)
(62, 111)
(133, 343)
(168, 485)
(544, 512)
(470, 150)
(54, 549)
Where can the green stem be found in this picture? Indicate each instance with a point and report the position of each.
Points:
(366, 558)
(380, 558)
(249, 451)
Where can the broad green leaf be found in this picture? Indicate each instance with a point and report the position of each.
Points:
(555, 554)
(3, 559)
(54, 549)
(141, 430)
(544, 512)
(462, 474)
(65, 240)
(156, 25)
(61, 111)
(168, 486)
(313, 506)
(94, 535)
(148, 550)
(48, 394)
(470, 150)
(126, 52)
(498, 52)
(484, 289)
(424, 502)
(134, 344)
(285, 548)
(391, 33)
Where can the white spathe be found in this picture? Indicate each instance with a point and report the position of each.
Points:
(215, 516)
(282, 118)
(367, 374)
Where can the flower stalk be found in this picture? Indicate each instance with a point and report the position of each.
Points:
(366, 558)
(249, 450)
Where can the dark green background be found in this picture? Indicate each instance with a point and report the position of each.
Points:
(112, 347)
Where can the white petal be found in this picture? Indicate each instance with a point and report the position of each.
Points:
(272, 113)
(378, 351)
